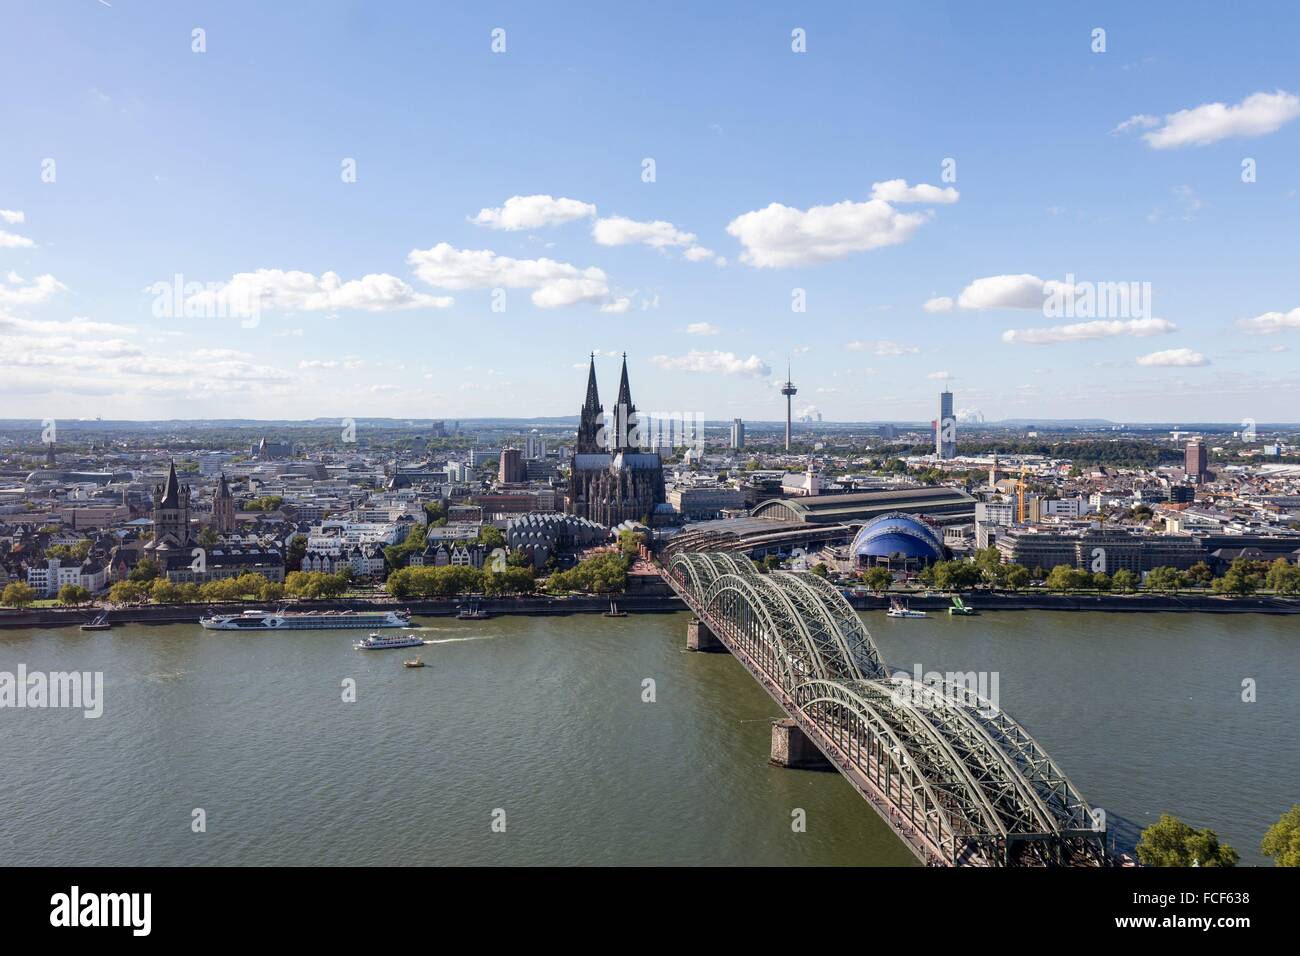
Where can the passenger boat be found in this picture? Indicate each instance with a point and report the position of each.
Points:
(100, 623)
(898, 609)
(960, 608)
(304, 620)
(382, 642)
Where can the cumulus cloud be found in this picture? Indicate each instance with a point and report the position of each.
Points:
(621, 231)
(940, 303)
(780, 236)
(1137, 121)
(897, 190)
(1083, 331)
(617, 306)
(533, 212)
(1022, 291)
(702, 328)
(1174, 358)
(1271, 322)
(718, 363)
(1256, 115)
(292, 291)
(883, 348)
(554, 283)
(11, 240)
(700, 253)
(940, 376)
(14, 291)
(14, 217)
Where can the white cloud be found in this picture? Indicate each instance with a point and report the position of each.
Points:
(940, 376)
(621, 231)
(77, 325)
(38, 290)
(11, 240)
(1022, 291)
(940, 303)
(700, 253)
(222, 355)
(1256, 115)
(14, 217)
(533, 212)
(702, 328)
(897, 190)
(781, 236)
(883, 348)
(1083, 331)
(1271, 322)
(1174, 358)
(554, 283)
(617, 306)
(718, 363)
(305, 292)
(1137, 121)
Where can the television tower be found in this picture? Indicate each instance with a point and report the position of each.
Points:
(788, 390)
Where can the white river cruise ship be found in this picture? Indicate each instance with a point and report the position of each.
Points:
(304, 620)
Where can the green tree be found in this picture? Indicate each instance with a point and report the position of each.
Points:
(1125, 580)
(878, 578)
(1240, 579)
(17, 594)
(1013, 576)
(1164, 579)
(820, 569)
(1283, 577)
(208, 537)
(163, 591)
(293, 554)
(1171, 842)
(73, 594)
(145, 571)
(1101, 581)
(1065, 578)
(1199, 575)
(1282, 841)
(491, 538)
(127, 592)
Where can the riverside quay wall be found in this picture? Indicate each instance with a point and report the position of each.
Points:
(664, 604)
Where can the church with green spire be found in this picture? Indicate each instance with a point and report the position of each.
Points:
(613, 478)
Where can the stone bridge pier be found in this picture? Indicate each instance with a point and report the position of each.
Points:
(700, 638)
(791, 748)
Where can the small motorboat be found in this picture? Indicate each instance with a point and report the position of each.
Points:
(898, 609)
(413, 662)
(100, 623)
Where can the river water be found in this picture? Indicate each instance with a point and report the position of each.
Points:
(541, 723)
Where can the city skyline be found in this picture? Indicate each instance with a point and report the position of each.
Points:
(930, 239)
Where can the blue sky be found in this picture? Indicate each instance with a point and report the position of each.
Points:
(230, 163)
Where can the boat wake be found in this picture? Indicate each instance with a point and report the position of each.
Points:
(457, 640)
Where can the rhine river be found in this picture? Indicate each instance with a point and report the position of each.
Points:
(543, 718)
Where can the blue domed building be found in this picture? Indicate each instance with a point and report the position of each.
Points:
(898, 541)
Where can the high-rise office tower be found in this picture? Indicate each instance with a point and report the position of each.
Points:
(1198, 460)
(945, 428)
(512, 466)
(737, 433)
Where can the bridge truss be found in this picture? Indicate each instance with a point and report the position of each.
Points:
(960, 781)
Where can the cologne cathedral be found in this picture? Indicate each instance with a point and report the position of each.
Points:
(613, 480)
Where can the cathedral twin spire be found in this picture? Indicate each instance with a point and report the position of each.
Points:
(591, 420)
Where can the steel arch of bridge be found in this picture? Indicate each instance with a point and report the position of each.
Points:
(961, 779)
